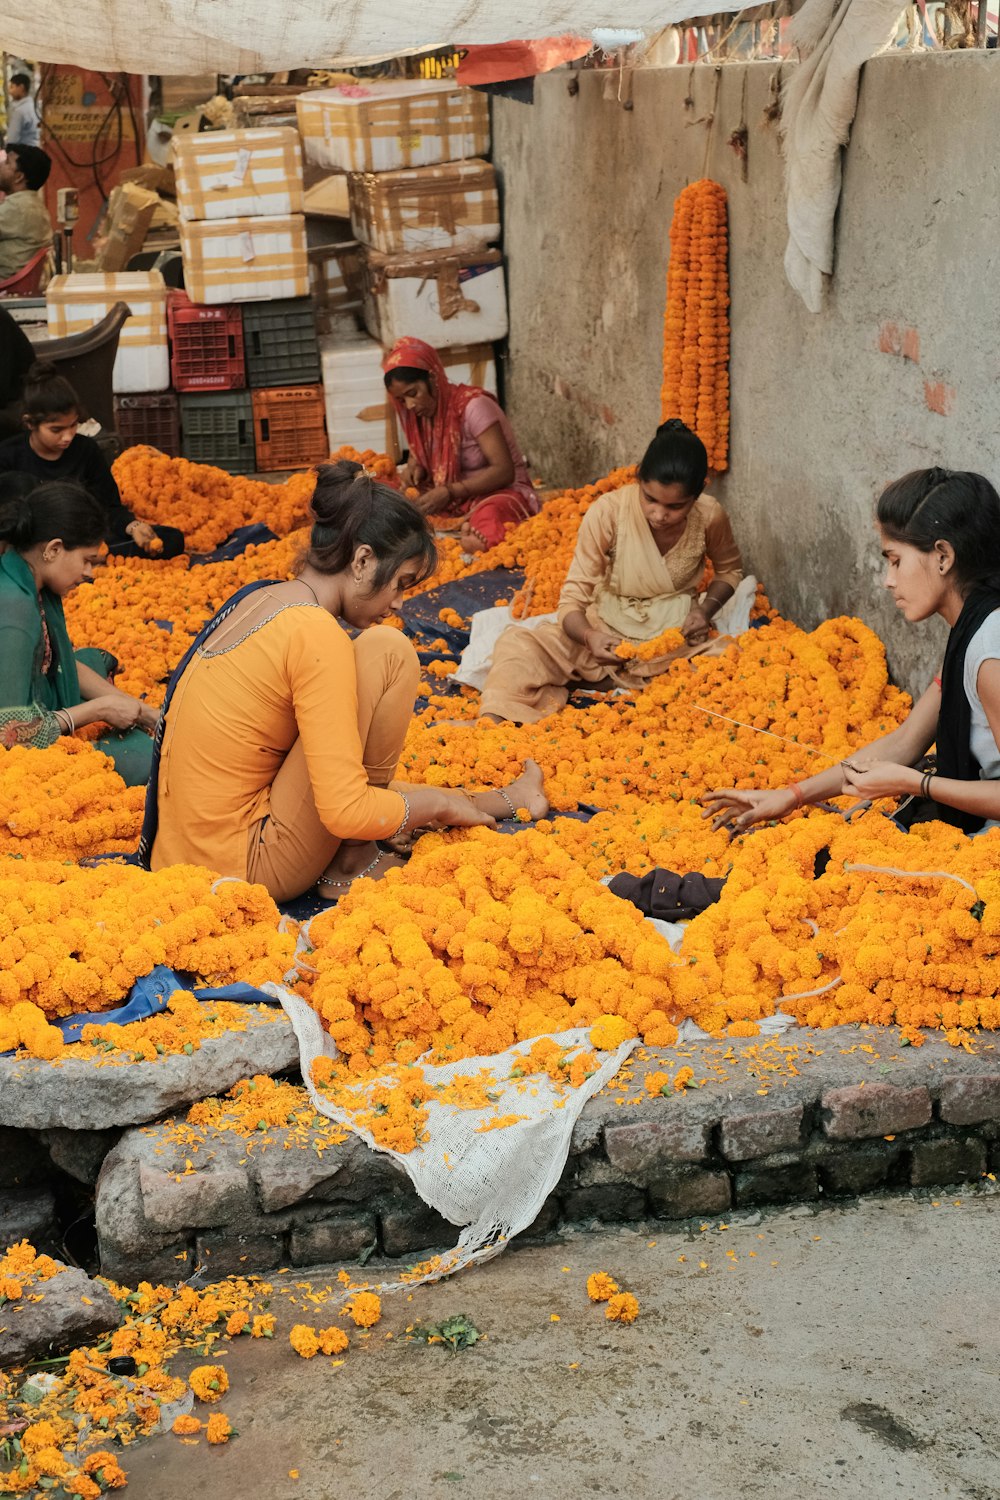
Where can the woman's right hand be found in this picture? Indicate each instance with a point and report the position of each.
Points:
(738, 810)
(116, 709)
(411, 474)
(439, 807)
(601, 645)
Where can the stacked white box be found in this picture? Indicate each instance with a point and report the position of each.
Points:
(75, 302)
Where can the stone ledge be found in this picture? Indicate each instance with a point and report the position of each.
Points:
(805, 1117)
(81, 1094)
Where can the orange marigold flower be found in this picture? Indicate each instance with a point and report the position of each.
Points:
(333, 1340)
(624, 1308)
(186, 1425)
(209, 1382)
(364, 1309)
(218, 1429)
(304, 1341)
(601, 1287)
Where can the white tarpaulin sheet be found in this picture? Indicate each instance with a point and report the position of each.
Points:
(252, 36)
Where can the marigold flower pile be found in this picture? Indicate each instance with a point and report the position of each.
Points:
(207, 503)
(696, 322)
(66, 802)
(75, 939)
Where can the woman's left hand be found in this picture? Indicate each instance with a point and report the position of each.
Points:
(882, 778)
(696, 627)
(143, 535)
(433, 500)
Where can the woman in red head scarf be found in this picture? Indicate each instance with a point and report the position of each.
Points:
(464, 459)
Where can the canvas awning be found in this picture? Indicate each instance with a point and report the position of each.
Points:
(254, 36)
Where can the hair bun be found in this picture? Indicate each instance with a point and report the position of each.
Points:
(336, 485)
(41, 371)
(16, 518)
(672, 424)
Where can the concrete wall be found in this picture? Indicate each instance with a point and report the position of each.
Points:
(898, 372)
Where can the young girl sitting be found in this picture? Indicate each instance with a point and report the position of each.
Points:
(281, 734)
(940, 537)
(51, 448)
(640, 555)
(54, 534)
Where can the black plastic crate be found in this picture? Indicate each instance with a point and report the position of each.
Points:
(150, 420)
(218, 429)
(280, 342)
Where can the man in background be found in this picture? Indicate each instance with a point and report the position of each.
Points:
(22, 116)
(25, 226)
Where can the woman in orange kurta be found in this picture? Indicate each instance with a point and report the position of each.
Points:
(280, 733)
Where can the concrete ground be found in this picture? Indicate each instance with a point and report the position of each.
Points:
(849, 1352)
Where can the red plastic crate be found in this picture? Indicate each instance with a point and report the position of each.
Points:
(206, 345)
(151, 420)
(289, 426)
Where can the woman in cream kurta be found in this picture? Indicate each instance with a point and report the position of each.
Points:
(640, 555)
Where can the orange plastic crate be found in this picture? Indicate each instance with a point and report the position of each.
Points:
(289, 425)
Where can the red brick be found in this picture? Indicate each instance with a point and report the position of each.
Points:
(687, 1191)
(640, 1150)
(910, 346)
(965, 1101)
(761, 1132)
(939, 397)
(889, 339)
(941, 1162)
(870, 1109)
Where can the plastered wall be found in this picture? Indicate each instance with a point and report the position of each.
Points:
(899, 371)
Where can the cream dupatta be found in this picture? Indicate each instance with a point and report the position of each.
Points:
(644, 592)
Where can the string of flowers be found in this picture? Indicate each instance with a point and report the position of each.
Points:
(696, 322)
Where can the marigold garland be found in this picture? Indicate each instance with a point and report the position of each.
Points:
(696, 321)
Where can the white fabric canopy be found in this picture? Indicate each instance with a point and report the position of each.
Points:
(253, 36)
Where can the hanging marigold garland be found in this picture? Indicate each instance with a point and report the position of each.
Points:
(696, 322)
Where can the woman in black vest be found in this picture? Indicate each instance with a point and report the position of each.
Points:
(940, 532)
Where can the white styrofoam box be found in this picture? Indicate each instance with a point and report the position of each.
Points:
(377, 127)
(444, 299)
(238, 174)
(245, 260)
(357, 409)
(454, 206)
(75, 302)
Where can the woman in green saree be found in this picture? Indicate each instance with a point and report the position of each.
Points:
(53, 535)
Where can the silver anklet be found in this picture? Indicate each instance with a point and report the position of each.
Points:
(513, 809)
(346, 884)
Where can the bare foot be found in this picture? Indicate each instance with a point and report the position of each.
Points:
(527, 791)
(354, 862)
(471, 541)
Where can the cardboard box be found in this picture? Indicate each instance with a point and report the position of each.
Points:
(243, 260)
(379, 127)
(326, 195)
(454, 206)
(131, 210)
(181, 91)
(238, 174)
(443, 297)
(336, 278)
(77, 301)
